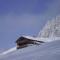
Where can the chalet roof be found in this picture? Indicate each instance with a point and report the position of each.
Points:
(35, 38)
(32, 38)
(25, 37)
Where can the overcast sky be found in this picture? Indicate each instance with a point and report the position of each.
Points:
(24, 17)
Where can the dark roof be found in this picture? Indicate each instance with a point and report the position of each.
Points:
(20, 38)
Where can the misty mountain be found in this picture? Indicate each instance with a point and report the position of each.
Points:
(51, 28)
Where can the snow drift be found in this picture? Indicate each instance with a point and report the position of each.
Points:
(8, 51)
(46, 51)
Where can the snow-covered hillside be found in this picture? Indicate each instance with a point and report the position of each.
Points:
(46, 51)
(8, 51)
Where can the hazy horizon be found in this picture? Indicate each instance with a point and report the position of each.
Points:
(24, 17)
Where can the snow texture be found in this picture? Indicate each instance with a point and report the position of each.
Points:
(51, 29)
(8, 51)
(46, 51)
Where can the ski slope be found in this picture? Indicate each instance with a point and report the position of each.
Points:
(46, 51)
(8, 51)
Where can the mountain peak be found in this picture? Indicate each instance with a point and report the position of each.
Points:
(51, 29)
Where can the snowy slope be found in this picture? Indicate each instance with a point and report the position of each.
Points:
(8, 51)
(2, 50)
(46, 51)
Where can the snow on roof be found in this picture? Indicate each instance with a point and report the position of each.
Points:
(30, 37)
(36, 38)
(42, 39)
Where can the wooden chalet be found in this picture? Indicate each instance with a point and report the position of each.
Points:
(25, 41)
